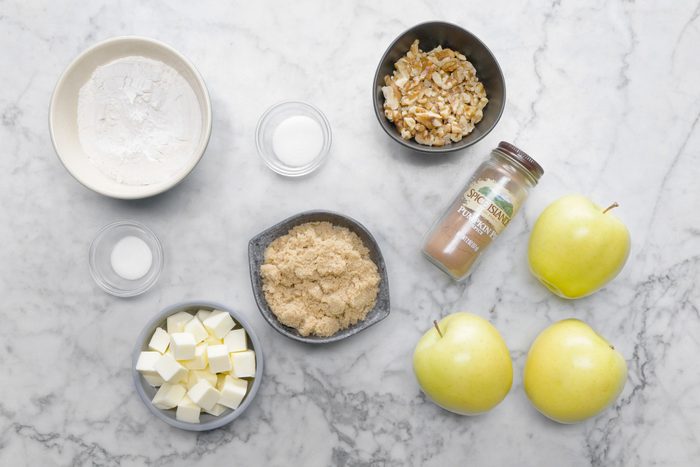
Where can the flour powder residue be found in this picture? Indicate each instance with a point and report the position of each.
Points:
(139, 120)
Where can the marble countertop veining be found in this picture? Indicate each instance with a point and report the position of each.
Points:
(605, 94)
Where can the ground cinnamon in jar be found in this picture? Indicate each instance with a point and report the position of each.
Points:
(492, 196)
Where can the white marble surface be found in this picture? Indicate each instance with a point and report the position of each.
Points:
(606, 97)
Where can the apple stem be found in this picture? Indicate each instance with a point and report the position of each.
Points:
(612, 206)
(437, 327)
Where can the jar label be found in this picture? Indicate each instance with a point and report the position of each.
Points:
(490, 202)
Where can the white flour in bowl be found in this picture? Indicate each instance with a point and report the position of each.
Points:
(139, 121)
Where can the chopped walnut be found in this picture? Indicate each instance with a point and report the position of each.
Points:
(434, 97)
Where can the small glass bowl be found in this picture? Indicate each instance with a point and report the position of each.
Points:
(266, 127)
(101, 265)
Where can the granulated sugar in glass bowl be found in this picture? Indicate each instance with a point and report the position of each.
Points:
(293, 138)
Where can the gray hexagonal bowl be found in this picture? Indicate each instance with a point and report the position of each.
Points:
(256, 256)
(146, 391)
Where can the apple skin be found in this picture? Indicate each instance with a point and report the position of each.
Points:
(571, 373)
(468, 370)
(575, 248)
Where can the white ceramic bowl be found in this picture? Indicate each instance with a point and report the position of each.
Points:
(63, 110)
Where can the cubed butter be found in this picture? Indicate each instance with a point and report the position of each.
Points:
(196, 375)
(182, 345)
(217, 410)
(177, 321)
(169, 395)
(202, 315)
(159, 341)
(169, 369)
(211, 340)
(196, 328)
(218, 357)
(154, 379)
(219, 323)
(196, 362)
(233, 392)
(146, 363)
(204, 395)
(235, 340)
(243, 364)
(220, 379)
(199, 361)
(187, 411)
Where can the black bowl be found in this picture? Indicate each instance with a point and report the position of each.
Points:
(256, 257)
(431, 35)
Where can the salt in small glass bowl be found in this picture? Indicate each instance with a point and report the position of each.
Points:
(266, 128)
(101, 265)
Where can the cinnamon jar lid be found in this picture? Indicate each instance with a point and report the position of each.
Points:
(522, 158)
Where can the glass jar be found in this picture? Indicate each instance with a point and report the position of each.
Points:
(490, 199)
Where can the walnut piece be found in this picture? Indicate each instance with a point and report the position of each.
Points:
(434, 97)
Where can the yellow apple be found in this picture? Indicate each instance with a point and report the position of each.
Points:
(463, 365)
(576, 246)
(572, 373)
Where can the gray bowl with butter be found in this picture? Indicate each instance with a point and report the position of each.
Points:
(256, 258)
(146, 391)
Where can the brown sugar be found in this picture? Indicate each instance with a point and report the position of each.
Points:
(319, 279)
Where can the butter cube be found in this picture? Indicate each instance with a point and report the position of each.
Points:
(202, 315)
(169, 369)
(176, 322)
(217, 410)
(243, 364)
(169, 395)
(219, 360)
(211, 340)
(220, 379)
(182, 344)
(204, 395)
(235, 340)
(159, 341)
(197, 375)
(196, 328)
(147, 361)
(199, 361)
(233, 392)
(146, 366)
(219, 323)
(154, 380)
(187, 411)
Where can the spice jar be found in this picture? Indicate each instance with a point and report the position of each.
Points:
(492, 196)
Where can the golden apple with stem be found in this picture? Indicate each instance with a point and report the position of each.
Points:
(463, 365)
(576, 246)
(572, 373)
